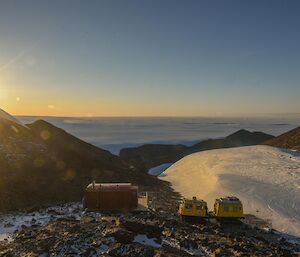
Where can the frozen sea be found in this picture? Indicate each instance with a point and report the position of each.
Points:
(115, 133)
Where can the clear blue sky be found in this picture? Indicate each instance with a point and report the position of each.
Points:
(199, 58)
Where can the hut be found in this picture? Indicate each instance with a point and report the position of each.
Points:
(120, 197)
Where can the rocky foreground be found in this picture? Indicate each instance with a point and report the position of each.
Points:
(141, 234)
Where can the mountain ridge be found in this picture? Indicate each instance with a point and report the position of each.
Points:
(151, 155)
(7, 116)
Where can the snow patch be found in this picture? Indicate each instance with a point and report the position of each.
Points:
(199, 251)
(144, 240)
(265, 178)
(156, 171)
(11, 223)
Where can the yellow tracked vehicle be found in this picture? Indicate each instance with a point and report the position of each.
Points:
(193, 208)
(228, 207)
(225, 208)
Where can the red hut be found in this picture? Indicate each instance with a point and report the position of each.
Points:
(111, 197)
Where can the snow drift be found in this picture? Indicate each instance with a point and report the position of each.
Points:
(156, 171)
(265, 178)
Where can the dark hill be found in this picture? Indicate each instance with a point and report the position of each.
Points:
(240, 138)
(65, 144)
(41, 164)
(289, 140)
(151, 155)
(10, 129)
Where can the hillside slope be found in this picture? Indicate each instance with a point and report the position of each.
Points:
(151, 155)
(41, 164)
(8, 117)
(288, 140)
(265, 178)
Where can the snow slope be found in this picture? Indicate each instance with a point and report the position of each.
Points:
(156, 171)
(265, 178)
(7, 116)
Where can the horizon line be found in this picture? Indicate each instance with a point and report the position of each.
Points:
(245, 116)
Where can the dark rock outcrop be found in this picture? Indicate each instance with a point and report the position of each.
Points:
(288, 140)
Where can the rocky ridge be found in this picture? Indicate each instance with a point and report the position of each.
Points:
(288, 140)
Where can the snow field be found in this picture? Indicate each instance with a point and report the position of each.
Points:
(266, 179)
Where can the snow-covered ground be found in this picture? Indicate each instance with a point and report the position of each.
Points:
(144, 240)
(265, 178)
(9, 223)
(156, 171)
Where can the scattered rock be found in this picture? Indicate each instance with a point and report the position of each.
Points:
(121, 235)
(93, 234)
(8, 225)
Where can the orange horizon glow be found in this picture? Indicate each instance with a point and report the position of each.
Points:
(37, 104)
(53, 112)
(22, 99)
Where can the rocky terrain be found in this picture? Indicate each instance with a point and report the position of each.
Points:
(161, 233)
(288, 140)
(151, 155)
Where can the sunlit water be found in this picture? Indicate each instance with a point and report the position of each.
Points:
(114, 134)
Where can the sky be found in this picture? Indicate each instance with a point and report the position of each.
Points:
(150, 57)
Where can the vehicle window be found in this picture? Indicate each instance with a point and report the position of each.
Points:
(226, 208)
(235, 208)
(188, 206)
